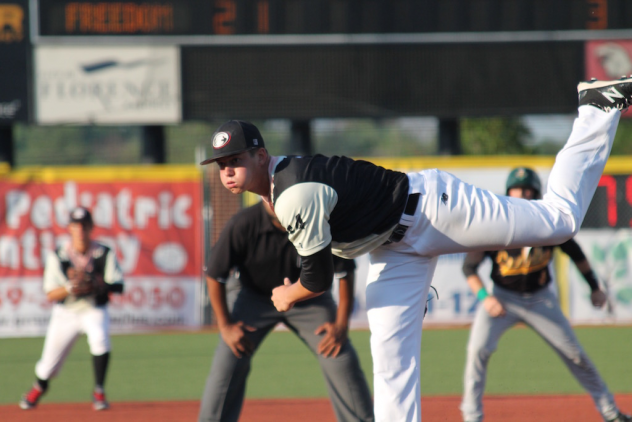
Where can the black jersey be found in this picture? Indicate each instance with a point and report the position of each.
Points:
(102, 262)
(321, 200)
(524, 270)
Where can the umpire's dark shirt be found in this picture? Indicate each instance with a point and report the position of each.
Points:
(262, 253)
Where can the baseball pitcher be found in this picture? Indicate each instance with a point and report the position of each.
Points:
(336, 205)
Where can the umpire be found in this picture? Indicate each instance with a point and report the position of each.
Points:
(255, 246)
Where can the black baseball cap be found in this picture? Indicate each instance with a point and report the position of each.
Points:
(234, 137)
(81, 215)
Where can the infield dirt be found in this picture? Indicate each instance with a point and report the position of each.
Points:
(549, 408)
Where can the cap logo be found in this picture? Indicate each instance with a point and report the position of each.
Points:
(220, 140)
(255, 141)
(78, 214)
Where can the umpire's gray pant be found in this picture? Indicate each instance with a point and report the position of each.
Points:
(226, 383)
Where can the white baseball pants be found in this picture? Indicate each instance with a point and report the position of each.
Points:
(452, 217)
(64, 328)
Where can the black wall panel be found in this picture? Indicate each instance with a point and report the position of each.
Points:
(444, 80)
(14, 49)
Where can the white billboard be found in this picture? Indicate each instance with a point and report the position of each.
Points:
(609, 252)
(107, 85)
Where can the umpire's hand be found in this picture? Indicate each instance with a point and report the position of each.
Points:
(234, 335)
(335, 337)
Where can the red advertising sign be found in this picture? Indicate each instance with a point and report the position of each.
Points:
(150, 216)
(154, 227)
(607, 60)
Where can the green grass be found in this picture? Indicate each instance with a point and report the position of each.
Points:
(175, 366)
(525, 364)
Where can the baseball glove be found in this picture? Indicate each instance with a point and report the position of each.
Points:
(81, 283)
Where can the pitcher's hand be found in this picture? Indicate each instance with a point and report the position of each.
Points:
(279, 296)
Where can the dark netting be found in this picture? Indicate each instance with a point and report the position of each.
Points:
(441, 80)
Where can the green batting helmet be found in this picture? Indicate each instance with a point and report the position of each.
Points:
(523, 177)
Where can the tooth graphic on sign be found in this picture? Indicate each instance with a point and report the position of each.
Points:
(109, 64)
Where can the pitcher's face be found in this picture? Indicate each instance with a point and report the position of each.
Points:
(241, 172)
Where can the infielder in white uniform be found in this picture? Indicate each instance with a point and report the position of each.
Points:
(405, 221)
(78, 277)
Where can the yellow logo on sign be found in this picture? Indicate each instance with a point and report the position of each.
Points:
(11, 27)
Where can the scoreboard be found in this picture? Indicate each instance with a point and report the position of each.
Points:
(318, 17)
(306, 59)
(612, 204)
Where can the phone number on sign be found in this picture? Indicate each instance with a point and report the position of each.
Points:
(150, 297)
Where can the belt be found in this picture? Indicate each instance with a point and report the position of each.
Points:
(407, 219)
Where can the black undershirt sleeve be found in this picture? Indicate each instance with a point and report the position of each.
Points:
(573, 250)
(343, 267)
(471, 263)
(317, 270)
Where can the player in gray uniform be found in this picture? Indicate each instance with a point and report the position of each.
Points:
(521, 293)
(336, 205)
(254, 245)
(78, 277)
